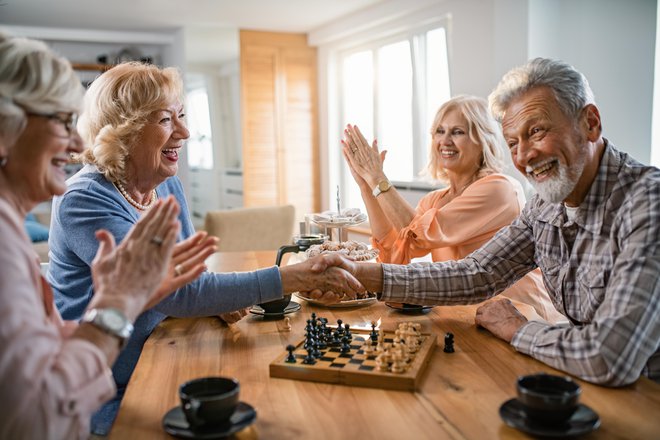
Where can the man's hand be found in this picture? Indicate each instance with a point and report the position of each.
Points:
(326, 281)
(501, 318)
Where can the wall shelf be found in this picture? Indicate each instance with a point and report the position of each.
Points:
(91, 67)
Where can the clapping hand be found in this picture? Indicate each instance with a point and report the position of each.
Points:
(188, 261)
(365, 162)
(127, 276)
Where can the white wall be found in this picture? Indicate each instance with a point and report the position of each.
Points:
(612, 42)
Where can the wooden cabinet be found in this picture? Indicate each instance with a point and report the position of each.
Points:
(279, 121)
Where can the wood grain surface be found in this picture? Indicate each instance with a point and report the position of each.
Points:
(459, 396)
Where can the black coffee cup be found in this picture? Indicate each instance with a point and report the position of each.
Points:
(547, 398)
(209, 401)
(276, 307)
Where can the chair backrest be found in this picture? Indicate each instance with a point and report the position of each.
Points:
(252, 229)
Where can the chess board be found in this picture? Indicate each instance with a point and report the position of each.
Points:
(355, 368)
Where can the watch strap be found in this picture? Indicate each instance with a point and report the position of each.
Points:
(111, 321)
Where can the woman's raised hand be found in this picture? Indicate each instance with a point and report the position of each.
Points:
(187, 262)
(364, 161)
(127, 276)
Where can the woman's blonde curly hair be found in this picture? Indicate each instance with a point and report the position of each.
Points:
(116, 108)
(483, 130)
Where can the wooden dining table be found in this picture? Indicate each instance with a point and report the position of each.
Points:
(458, 398)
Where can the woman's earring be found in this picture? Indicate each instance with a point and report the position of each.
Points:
(3, 161)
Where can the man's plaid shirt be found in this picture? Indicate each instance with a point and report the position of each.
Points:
(601, 271)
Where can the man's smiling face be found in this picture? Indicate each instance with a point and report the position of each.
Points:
(546, 145)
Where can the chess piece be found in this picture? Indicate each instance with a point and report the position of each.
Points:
(374, 333)
(291, 359)
(449, 343)
(317, 353)
(345, 347)
(287, 324)
(309, 359)
(381, 363)
(340, 329)
(347, 332)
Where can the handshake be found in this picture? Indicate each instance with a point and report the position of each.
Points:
(328, 278)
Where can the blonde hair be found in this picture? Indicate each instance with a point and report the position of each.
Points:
(33, 79)
(482, 129)
(116, 108)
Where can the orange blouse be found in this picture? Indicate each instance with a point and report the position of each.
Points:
(453, 230)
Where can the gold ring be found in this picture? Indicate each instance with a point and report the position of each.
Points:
(178, 269)
(353, 150)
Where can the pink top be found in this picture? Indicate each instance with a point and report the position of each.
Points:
(461, 226)
(50, 382)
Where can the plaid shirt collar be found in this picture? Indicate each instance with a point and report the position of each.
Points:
(591, 212)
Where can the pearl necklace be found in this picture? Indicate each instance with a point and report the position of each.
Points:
(134, 202)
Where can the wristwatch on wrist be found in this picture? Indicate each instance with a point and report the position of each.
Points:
(111, 321)
(383, 185)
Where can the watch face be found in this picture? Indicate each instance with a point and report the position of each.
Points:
(384, 185)
(113, 320)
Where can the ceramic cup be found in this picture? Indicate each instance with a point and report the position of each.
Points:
(209, 401)
(547, 398)
(277, 306)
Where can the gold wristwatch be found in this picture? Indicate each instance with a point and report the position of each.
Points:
(383, 185)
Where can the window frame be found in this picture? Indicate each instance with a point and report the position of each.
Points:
(416, 38)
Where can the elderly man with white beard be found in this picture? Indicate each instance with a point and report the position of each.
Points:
(593, 229)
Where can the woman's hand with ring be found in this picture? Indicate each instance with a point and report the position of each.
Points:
(365, 162)
(188, 261)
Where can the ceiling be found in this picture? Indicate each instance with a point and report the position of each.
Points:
(210, 25)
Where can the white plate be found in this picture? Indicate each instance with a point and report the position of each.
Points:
(341, 304)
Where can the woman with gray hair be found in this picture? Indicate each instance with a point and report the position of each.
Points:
(54, 374)
(134, 121)
(467, 151)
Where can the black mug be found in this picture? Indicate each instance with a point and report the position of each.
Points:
(548, 399)
(209, 401)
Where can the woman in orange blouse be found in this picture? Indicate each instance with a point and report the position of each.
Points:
(466, 153)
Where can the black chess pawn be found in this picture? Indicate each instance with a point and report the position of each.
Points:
(347, 332)
(340, 329)
(449, 343)
(317, 353)
(333, 339)
(309, 359)
(322, 340)
(291, 359)
(374, 333)
(310, 339)
(345, 347)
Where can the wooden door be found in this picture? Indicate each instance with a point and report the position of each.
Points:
(279, 119)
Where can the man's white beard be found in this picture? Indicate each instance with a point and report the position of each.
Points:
(558, 188)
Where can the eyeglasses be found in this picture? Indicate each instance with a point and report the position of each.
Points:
(68, 120)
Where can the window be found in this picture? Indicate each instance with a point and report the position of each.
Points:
(200, 145)
(391, 89)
